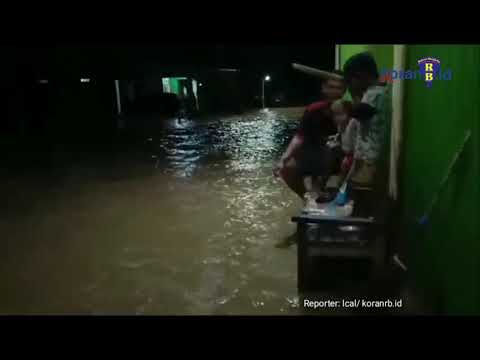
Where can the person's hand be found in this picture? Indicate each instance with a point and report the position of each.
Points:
(333, 141)
(363, 112)
(278, 168)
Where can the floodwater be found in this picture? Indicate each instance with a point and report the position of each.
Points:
(187, 226)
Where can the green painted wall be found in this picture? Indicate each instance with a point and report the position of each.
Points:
(383, 55)
(174, 85)
(445, 255)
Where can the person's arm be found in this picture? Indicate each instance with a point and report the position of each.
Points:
(293, 146)
(295, 143)
(349, 137)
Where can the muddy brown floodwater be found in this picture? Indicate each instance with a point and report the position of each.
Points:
(188, 229)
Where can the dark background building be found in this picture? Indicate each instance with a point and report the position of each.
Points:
(45, 95)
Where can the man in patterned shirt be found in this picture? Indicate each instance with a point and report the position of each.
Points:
(373, 112)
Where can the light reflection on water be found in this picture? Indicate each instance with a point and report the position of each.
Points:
(194, 237)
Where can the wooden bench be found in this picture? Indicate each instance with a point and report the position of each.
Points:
(360, 236)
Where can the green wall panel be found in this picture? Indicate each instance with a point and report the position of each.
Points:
(444, 255)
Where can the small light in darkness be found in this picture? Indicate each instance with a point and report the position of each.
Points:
(84, 80)
(43, 81)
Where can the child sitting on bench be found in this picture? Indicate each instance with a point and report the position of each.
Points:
(343, 143)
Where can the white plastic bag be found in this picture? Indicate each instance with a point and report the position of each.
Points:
(330, 209)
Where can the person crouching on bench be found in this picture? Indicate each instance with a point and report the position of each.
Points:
(314, 159)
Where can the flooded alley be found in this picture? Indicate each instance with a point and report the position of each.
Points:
(185, 226)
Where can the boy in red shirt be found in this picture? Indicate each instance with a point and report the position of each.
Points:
(287, 168)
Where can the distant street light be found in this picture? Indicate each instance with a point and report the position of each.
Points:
(266, 78)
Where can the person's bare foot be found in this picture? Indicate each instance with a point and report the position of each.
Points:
(309, 199)
(287, 242)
